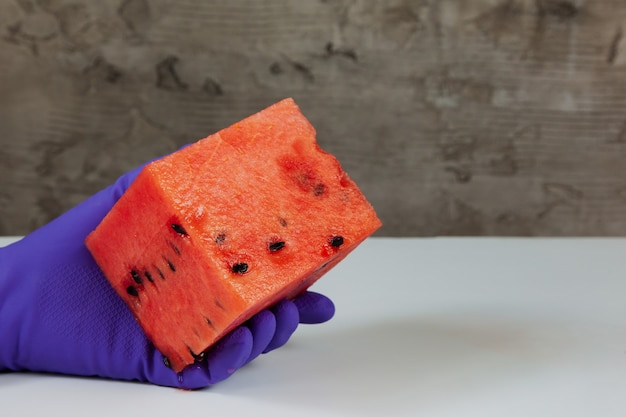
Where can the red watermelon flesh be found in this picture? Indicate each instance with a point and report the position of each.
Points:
(210, 235)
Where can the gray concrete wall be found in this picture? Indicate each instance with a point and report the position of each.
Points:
(477, 117)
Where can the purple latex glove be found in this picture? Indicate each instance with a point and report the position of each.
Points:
(59, 314)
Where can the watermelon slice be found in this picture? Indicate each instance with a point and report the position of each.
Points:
(210, 235)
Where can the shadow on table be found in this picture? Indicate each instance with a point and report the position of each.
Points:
(394, 366)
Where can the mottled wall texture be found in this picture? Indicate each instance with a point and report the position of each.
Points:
(456, 117)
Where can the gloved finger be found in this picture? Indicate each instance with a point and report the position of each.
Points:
(314, 308)
(287, 318)
(263, 327)
(229, 354)
(222, 360)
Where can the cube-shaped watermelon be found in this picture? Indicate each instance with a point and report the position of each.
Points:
(210, 235)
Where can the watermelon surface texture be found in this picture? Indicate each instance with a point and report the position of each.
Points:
(210, 235)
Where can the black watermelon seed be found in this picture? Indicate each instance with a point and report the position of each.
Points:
(276, 246)
(174, 248)
(132, 291)
(240, 268)
(319, 189)
(282, 222)
(336, 241)
(219, 239)
(209, 322)
(161, 274)
(166, 362)
(179, 229)
(197, 356)
(136, 277)
(171, 265)
(148, 276)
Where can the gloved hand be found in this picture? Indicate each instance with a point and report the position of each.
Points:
(59, 314)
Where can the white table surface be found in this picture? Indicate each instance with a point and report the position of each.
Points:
(424, 327)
